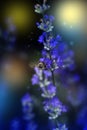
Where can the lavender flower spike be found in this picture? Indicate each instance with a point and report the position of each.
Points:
(55, 55)
(63, 127)
(54, 107)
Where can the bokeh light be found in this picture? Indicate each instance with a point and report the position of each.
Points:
(20, 15)
(14, 71)
(70, 13)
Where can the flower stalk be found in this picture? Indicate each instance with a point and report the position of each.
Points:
(54, 57)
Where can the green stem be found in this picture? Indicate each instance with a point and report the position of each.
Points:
(52, 71)
(53, 77)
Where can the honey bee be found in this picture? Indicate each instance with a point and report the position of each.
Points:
(42, 65)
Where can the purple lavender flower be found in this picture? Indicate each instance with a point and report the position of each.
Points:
(47, 62)
(15, 124)
(49, 18)
(35, 79)
(46, 24)
(26, 100)
(42, 76)
(61, 127)
(41, 9)
(31, 126)
(49, 91)
(48, 41)
(47, 74)
(41, 39)
(54, 107)
(55, 55)
(27, 106)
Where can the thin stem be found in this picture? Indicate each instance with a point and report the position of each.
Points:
(52, 71)
(53, 77)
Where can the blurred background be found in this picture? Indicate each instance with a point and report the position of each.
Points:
(20, 52)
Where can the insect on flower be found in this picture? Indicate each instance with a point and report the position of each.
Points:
(42, 65)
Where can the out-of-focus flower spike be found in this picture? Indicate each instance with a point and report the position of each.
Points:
(15, 124)
(61, 127)
(27, 106)
(31, 126)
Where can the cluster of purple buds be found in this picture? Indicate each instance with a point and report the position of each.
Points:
(9, 35)
(46, 23)
(49, 41)
(27, 107)
(42, 77)
(55, 55)
(48, 91)
(54, 107)
(15, 124)
(31, 126)
(61, 127)
(41, 9)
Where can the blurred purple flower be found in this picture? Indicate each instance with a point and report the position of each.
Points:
(49, 91)
(54, 107)
(35, 79)
(61, 127)
(15, 124)
(27, 106)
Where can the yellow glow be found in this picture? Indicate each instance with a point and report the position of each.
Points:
(20, 14)
(70, 12)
